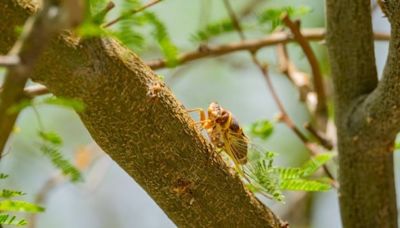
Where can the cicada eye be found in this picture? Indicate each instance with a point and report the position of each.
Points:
(223, 118)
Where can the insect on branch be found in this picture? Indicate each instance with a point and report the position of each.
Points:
(284, 115)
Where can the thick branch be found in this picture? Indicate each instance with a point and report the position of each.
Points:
(151, 137)
(351, 50)
(367, 188)
(381, 109)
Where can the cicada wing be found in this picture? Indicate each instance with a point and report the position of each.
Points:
(238, 145)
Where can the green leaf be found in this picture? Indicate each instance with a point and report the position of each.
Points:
(304, 185)
(14, 205)
(128, 33)
(90, 29)
(315, 163)
(5, 193)
(272, 16)
(161, 35)
(214, 29)
(3, 176)
(262, 129)
(6, 219)
(51, 137)
(289, 173)
(61, 163)
(65, 102)
(263, 177)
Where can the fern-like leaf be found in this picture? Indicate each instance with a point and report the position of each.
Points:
(162, 37)
(304, 185)
(214, 29)
(16, 205)
(51, 137)
(315, 163)
(289, 173)
(6, 219)
(263, 177)
(3, 176)
(64, 165)
(272, 16)
(6, 193)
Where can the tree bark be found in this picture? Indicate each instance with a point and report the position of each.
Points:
(142, 127)
(366, 118)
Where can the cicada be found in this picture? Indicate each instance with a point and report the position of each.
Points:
(225, 133)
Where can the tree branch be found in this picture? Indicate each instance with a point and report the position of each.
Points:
(316, 34)
(367, 188)
(321, 111)
(152, 138)
(381, 109)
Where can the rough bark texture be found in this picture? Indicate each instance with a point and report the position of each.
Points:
(151, 137)
(367, 117)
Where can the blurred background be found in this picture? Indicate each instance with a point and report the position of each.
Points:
(108, 197)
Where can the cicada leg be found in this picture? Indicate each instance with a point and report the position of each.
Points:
(204, 122)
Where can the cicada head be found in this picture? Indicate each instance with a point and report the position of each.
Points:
(219, 115)
(214, 111)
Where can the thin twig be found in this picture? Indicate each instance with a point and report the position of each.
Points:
(284, 115)
(316, 34)
(298, 78)
(110, 5)
(321, 111)
(131, 12)
(322, 139)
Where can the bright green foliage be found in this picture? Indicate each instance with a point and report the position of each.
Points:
(16, 205)
(94, 18)
(5, 193)
(64, 102)
(264, 178)
(52, 142)
(132, 27)
(214, 29)
(8, 205)
(127, 31)
(160, 34)
(51, 137)
(270, 180)
(51, 148)
(272, 16)
(6, 219)
(304, 185)
(262, 129)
